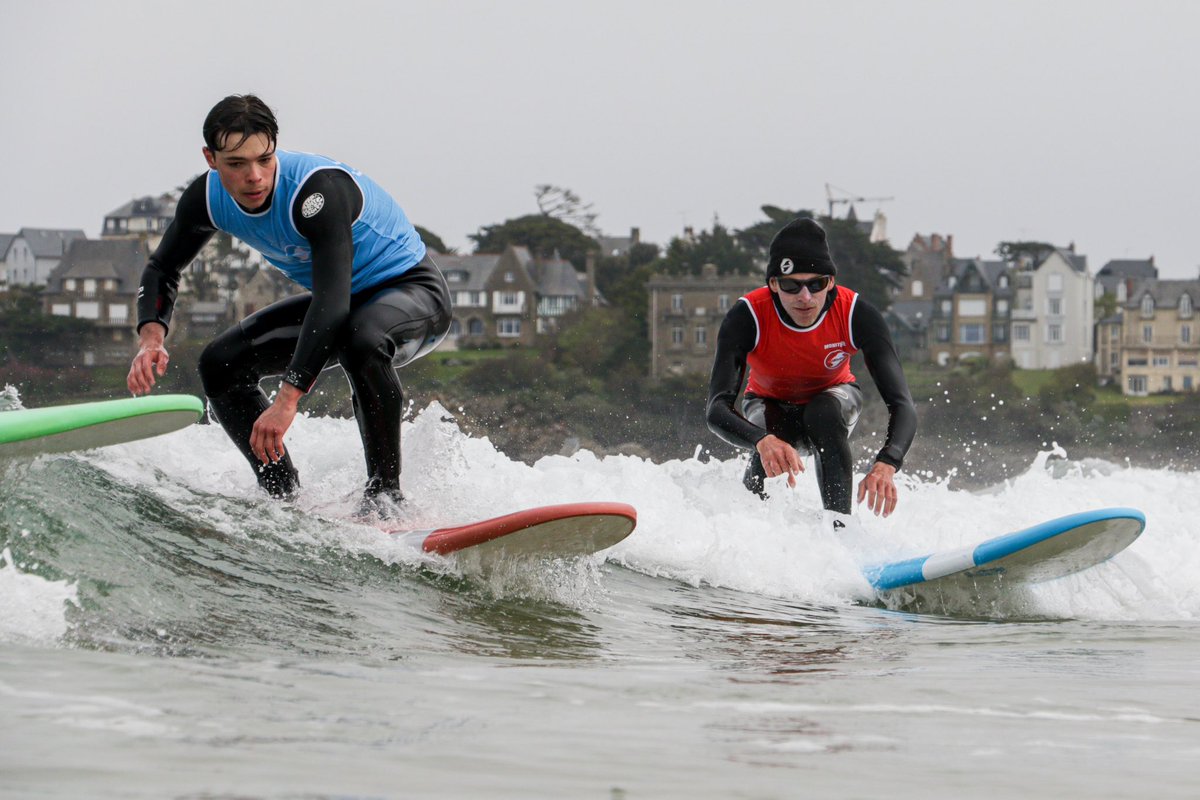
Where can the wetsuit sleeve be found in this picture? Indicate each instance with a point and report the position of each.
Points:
(324, 213)
(188, 232)
(734, 342)
(872, 337)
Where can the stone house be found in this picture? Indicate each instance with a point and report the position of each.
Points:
(98, 280)
(971, 312)
(685, 314)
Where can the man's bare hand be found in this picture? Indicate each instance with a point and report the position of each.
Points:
(779, 457)
(266, 438)
(879, 489)
(151, 357)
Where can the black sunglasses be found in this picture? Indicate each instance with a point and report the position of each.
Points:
(794, 285)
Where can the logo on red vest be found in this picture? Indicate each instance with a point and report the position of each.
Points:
(835, 359)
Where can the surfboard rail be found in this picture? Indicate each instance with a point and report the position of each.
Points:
(84, 426)
(1045, 551)
(555, 531)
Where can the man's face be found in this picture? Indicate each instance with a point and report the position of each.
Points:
(247, 171)
(805, 305)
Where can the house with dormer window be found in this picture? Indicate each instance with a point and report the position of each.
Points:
(972, 308)
(509, 298)
(1152, 344)
(98, 280)
(33, 253)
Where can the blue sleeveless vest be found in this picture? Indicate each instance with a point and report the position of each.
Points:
(385, 243)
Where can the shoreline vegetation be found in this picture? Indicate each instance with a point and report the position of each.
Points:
(979, 423)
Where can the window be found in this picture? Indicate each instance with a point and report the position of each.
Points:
(1054, 282)
(1003, 283)
(999, 333)
(723, 302)
(1054, 332)
(1185, 334)
(1020, 333)
(475, 327)
(89, 285)
(676, 334)
(1167, 383)
(1001, 307)
(970, 334)
(1054, 306)
(118, 312)
(1147, 306)
(1147, 333)
(1137, 384)
(61, 309)
(69, 285)
(971, 308)
(918, 288)
(1114, 333)
(508, 327)
(1122, 292)
(1162, 361)
(1185, 306)
(1137, 362)
(456, 276)
(1114, 359)
(677, 302)
(455, 329)
(87, 310)
(701, 335)
(508, 301)
(509, 277)
(946, 308)
(943, 333)
(1187, 383)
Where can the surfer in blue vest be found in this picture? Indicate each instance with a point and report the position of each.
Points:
(375, 299)
(795, 337)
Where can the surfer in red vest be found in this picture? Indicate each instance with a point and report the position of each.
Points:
(790, 343)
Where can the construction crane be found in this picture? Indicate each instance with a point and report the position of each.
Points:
(850, 198)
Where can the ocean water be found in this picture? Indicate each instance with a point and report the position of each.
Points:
(167, 632)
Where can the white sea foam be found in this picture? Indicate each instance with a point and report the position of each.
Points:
(32, 609)
(695, 521)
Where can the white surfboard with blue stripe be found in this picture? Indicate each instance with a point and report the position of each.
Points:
(1041, 553)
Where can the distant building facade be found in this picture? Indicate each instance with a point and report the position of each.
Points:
(509, 298)
(141, 218)
(929, 261)
(33, 253)
(98, 280)
(972, 308)
(685, 315)
(1152, 344)
(1053, 310)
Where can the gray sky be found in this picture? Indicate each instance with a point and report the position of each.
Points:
(989, 121)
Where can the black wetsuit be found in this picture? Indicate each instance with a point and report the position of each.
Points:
(823, 425)
(368, 333)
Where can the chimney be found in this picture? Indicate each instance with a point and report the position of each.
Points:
(635, 235)
(590, 290)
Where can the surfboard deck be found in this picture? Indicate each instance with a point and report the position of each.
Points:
(1043, 552)
(84, 426)
(558, 531)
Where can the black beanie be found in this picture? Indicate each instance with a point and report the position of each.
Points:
(800, 247)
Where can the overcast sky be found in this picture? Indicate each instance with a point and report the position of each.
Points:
(989, 121)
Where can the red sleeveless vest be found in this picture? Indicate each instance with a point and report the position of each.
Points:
(796, 364)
